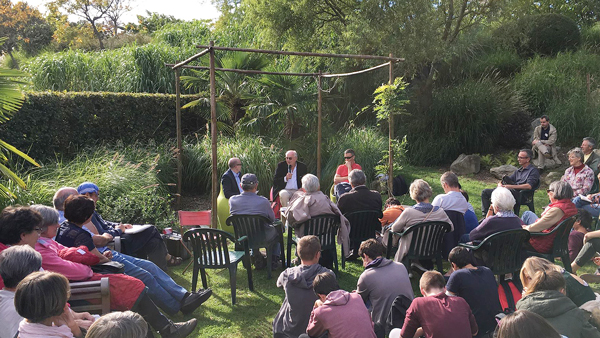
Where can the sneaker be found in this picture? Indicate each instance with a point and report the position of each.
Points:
(179, 330)
(194, 300)
(416, 266)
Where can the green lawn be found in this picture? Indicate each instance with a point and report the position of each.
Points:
(254, 311)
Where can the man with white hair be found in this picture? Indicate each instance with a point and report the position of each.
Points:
(288, 176)
(59, 201)
(501, 216)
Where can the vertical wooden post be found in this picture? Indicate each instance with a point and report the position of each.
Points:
(179, 145)
(213, 136)
(319, 125)
(390, 181)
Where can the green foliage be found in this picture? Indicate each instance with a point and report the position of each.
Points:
(590, 37)
(184, 34)
(23, 27)
(64, 123)
(391, 99)
(154, 21)
(506, 62)
(495, 160)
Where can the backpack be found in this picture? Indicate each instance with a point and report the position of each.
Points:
(399, 186)
(509, 295)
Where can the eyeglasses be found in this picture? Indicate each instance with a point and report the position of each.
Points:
(348, 157)
(549, 191)
(289, 158)
(522, 157)
(239, 164)
(38, 229)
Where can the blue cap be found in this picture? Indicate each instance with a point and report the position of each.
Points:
(87, 187)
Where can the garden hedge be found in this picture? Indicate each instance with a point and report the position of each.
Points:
(53, 122)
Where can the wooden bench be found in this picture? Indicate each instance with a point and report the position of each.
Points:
(97, 293)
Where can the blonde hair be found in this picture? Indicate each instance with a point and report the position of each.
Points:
(534, 273)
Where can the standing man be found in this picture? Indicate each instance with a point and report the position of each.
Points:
(526, 177)
(341, 174)
(231, 178)
(544, 139)
(591, 159)
(288, 176)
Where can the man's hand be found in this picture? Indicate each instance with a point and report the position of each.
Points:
(318, 303)
(534, 142)
(596, 260)
(108, 254)
(124, 227)
(349, 166)
(102, 240)
(83, 319)
(500, 185)
(288, 176)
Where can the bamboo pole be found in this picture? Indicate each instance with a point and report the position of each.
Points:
(213, 136)
(179, 145)
(281, 52)
(390, 181)
(319, 125)
(185, 62)
(358, 71)
(243, 71)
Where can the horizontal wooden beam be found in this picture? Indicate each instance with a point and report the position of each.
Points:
(182, 63)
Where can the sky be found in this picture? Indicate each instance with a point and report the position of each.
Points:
(180, 9)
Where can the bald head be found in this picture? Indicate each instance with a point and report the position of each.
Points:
(61, 196)
(235, 164)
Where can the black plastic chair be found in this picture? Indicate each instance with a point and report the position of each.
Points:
(323, 226)
(526, 198)
(501, 252)
(560, 244)
(253, 226)
(363, 225)
(426, 242)
(211, 252)
(452, 238)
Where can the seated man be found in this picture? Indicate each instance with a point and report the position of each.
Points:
(288, 176)
(59, 199)
(341, 313)
(436, 315)
(477, 285)
(525, 178)
(591, 159)
(147, 244)
(382, 281)
(455, 205)
(231, 178)
(544, 139)
(292, 318)
(250, 203)
(341, 179)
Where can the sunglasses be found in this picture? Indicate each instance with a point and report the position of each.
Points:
(548, 191)
(348, 157)
(289, 158)
(239, 164)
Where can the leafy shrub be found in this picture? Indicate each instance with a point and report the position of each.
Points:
(505, 62)
(184, 34)
(590, 37)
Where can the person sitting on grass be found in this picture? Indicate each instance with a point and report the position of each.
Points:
(436, 315)
(163, 290)
(340, 313)
(577, 238)
(391, 212)
(477, 285)
(293, 316)
(119, 325)
(382, 281)
(526, 324)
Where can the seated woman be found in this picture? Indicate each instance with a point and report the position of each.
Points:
(126, 292)
(391, 212)
(500, 216)
(163, 290)
(577, 237)
(526, 324)
(559, 209)
(118, 325)
(312, 202)
(420, 192)
(578, 175)
(544, 294)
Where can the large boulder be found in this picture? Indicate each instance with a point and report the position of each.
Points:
(552, 176)
(466, 164)
(503, 170)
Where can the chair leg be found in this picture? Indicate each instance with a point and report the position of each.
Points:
(232, 281)
(269, 258)
(517, 208)
(566, 260)
(343, 258)
(440, 266)
(195, 278)
(531, 207)
(249, 270)
(289, 248)
(203, 276)
(335, 262)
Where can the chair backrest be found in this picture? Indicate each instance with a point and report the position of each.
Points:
(560, 245)
(325, 227)
(209, 246)
(427, 239)
(97, 293)
(249, 225)
(503, 250)
(194, 218)
(364, 224)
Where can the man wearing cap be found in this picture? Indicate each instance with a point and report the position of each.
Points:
(231, 178)
(147, 244)
(288, 177)
(250, 203)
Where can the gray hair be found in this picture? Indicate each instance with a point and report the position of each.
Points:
(450, 179)
(591, 141)
(420, 190)
(502, 199)
(49, 215)
(576, 152)
(357, 177)
(17, 262)
(562, 190)
(232, 162)
(528, 152)
(61, 196)
(126, 324)
(310, 183)
(293, 152)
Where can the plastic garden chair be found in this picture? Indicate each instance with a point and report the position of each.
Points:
(252, 226)
(363, 225)
(323, 226)
(501, 252)
(526, 198)
(426, 242)
(211, 252)
(560, 243)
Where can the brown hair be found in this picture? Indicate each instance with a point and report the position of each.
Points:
(308, 246)
(531, 266)
(545, 281)
(42, 295)
(432, 280)
(525, 324)
(372, 248)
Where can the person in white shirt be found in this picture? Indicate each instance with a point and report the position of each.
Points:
(288, 177)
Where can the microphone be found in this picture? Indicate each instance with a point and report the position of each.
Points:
(289, 168)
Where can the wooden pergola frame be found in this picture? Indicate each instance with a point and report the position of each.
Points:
(211, 48)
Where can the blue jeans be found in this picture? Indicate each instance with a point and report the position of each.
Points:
(593, 209)
(162, 289)
(529, 217)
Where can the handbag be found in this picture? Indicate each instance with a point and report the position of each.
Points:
(109, 267)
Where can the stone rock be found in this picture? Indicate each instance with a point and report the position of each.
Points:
(548, 164)
(503, 170)
(552, 176)
(466, 164)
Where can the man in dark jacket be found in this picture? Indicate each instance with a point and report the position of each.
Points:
(231, 178)
(360, 197)
(591, 159)
(288, 176)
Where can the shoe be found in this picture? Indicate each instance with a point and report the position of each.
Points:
(179, 330)
(275, 263)
(174, 261)
(590, 278)
(194, 300)
(259, 261)
(418, 267)
(548, 155)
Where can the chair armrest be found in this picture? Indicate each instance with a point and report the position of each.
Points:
(471, 246)
(117, 241)
(540, 234)
(242, 239)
